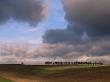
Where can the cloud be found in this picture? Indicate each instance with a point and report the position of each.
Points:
(31, 30)
(69, 35)
(30, 11)
(83, 17)
(104, 59)
(55, 36)
(8, 60)
(93, 48)
(93, 15)
(28, 52)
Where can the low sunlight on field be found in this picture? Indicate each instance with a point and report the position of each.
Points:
(79, 73)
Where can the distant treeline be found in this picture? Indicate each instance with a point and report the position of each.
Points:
(72, 63)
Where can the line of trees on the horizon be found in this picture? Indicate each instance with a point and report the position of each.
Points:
(72, 63)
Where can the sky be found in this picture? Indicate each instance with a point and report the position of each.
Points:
(13, 30)
(70, 30)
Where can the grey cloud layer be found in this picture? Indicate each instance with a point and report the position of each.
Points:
(94, 51)
(83, 16)
(21, 10)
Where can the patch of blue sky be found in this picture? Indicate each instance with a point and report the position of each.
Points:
(20, 31)
(13, 30)
(55, 19)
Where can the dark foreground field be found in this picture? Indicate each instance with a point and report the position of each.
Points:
(81, 73)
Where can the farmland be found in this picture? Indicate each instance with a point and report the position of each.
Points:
(5, 80)
(76, 73)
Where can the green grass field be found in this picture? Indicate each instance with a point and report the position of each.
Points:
(5, 80)
(78, 73)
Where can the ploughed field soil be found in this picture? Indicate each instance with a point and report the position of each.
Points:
(76, 73)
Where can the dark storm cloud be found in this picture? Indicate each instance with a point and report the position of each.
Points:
(94, 15)
(69, 35)
(55, 36)
(83, 16)
(21, 10)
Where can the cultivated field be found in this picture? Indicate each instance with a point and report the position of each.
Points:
(76, 73)
(4, 80)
